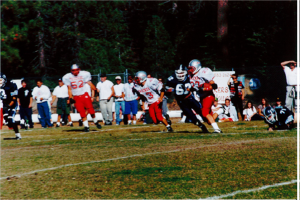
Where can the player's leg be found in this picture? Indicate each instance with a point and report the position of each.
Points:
(152, 112)
(109, 110)
(59, 113)
(12, 123)
(117, 109)
(47, 114)
(89, 107)
(127, 112)
(22, 117)
(187, 106)
(42, 115)
(134, 110)
(158, 113)
(207, 102)
(103, 105)
(79, 105)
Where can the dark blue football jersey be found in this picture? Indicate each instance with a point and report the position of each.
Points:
(284, 115)
(9, 93)
(181, 88)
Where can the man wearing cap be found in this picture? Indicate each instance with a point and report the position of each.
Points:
(63, 105)
(75, 82)
(106, 91)
(119, 99)
(290, 70)
(131, 103)
(25, 103)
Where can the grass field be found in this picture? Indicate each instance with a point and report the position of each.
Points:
(142, 161)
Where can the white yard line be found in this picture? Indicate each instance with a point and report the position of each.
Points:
(252, 190)
(136, 155)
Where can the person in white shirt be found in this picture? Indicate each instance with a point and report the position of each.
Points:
(250, 113)
(83, 104)
(290, 70)
(62, 107)
(41, 94)
(105, 88)
(119, 99)
(216, 109)
(131, 103)
(228, 112)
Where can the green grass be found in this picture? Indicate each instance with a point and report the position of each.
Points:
(139, 162)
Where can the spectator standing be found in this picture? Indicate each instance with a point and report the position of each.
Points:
(41, 94)
(106, 92)
(119, 99)
(250, 113)
(63, 107)
(290, 70)
(237, 93)
(131, 103)
(25, 103)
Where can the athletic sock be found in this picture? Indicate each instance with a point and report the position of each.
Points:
(168, 125)
(18, 135)
(183, 118)
(58, 123)
(215, 126)
(95, 120)
(134, 122)
(85, 123)
(129, 121)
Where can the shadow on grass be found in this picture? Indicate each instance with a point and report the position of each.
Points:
(78, 130)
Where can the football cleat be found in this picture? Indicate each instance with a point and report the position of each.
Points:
(218, 131)
(98, 125)
(86, 129)
(57, 125)
(170, 129)
(203, 128)
(71, 124)
(18, 138)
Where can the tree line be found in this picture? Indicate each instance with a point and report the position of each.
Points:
(43, 38)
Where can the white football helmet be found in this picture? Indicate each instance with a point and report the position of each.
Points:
(194, 66)
(140, 77)
(181, 73)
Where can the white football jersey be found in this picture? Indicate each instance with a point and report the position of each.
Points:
(203, 75)
(77, 82)
(150, 90)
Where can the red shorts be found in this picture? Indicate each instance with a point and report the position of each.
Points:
(82, 103)
(207, 102)
(155, 112)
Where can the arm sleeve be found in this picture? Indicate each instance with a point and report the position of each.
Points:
(66, 80)
(87, 77)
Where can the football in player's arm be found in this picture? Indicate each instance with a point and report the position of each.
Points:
(8, 95)
(179, 83)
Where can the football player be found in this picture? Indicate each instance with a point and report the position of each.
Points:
(78, 94)
(149, 88)
(202, 81)
(279, 117)
(9, 94)
(180, 84)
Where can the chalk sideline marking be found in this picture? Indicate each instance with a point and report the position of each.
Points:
(131, 156)
(252, 190)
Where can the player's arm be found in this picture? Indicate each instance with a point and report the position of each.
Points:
(70, 95)
(30, 102)
(93, 95)
(162, 94)
(91, 85)
(53, 99)
(112, 92)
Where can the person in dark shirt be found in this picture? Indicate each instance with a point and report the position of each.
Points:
(25, 103)
(279, 117)
(179, 83)
(237, 93)
(8, 95)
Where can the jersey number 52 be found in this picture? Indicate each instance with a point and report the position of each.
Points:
(76, 84)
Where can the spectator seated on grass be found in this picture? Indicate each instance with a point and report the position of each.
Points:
(228, 112)
(217, 109)
(250, 113)
(262, 106)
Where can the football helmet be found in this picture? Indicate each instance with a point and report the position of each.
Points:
(140, 77)
(3, 80)
(181, 73)
(270, 115)
(194, 66)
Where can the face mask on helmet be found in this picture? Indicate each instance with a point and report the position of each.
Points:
(194, 66)
(140, 77)
(181, 73)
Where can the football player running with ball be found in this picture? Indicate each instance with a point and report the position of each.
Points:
(202, 81)
(78, 94)
(149, 88)
(8, 95)
(180, 84)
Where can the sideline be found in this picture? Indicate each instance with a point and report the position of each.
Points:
(136, 155)
(252, 190)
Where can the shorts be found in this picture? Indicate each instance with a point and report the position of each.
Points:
(82, 103)
(131, 107)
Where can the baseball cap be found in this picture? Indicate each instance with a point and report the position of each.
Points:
(278, 99)
(59, 79)
(74, 66)
(118, 77)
